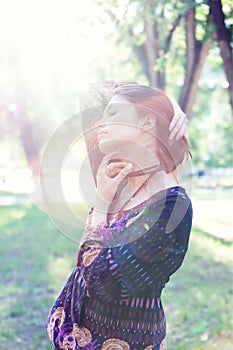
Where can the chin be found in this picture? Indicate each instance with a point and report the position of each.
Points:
(107, 147)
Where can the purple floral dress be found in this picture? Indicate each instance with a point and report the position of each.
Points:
(112, 299)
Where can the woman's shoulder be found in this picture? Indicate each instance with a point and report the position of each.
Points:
(173, 203)
(169, 202)
(170, 192)
(165, 197)
(168, 211)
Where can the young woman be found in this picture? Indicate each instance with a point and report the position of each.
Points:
(137, 231)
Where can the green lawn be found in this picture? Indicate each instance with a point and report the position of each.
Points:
(36, 260)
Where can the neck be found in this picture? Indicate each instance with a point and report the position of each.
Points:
(140, 175)
(143, 187)
(141, 157)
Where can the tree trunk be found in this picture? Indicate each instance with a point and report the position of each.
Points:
(191, 53)
(199, 63)
(29, 145)
(224, 42)
(148, 52)
(196, 52)
(147, 55)
(140, 52)
(151, 47)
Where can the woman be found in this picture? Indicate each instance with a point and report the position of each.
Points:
(137, 231)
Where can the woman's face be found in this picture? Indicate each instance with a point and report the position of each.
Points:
(119, 126)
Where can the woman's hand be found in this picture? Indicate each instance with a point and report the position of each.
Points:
(179, 124)
(109, 177)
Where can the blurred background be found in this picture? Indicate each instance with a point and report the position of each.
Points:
(48, 51)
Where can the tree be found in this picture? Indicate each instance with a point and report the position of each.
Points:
(224, 37)
(30, 146)
(15, 117)
(196, 53)
(150, 27)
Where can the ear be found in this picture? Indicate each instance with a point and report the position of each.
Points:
(149, 121)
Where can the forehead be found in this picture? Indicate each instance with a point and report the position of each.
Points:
(118, 99)
(120, 102)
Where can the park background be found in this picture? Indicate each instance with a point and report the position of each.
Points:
(48, 51)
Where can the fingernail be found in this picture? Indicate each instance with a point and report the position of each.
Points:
(171, 137)
(171, 142)
(129, 165)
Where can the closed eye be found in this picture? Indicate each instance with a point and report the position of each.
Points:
(112, 113)
(110, 110)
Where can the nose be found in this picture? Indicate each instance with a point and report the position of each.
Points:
(100, 126)
(100, 123)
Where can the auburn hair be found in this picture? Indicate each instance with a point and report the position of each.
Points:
(170, 154)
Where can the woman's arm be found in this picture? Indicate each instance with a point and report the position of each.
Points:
(134, 267)
(107, 185)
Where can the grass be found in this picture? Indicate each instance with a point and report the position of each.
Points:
(198, 301)
(37, 259)
(35, 262)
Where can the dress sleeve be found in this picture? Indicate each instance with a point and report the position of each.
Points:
(153, 249)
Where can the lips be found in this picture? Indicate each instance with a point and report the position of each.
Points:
(101, 134)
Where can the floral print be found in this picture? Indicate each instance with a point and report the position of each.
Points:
(107, 233)
(115, 303)
(55, 321)
(69, 342)
(163, 345)
(79, 335)
(91, 253)
(115, 344)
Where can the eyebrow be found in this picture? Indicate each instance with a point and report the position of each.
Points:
(110, 106)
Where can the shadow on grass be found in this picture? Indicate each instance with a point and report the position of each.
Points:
(198, 299)
(37, 260)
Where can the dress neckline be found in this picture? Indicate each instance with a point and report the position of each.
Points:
(156, 196)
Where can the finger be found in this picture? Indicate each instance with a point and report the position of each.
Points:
(178, 118)
(114, 168)
(114, 173)
(178, 112)
(174, 121)
(114, 165)
(186, 133)
(173, 133)
(123, 173)
(107, 158)
(177, 133)
(179, 121)
(178, 126)
(181, 132)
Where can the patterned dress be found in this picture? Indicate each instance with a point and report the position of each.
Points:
(112, 299)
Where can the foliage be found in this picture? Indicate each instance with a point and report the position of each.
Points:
(49, 64)
(211, 128)
(38, 260)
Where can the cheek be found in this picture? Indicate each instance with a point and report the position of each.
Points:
(124, 132)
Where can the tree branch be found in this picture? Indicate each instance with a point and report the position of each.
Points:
(170, 34)
(190, 37)
(140, 52)
(112, 16)
(224, 42)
